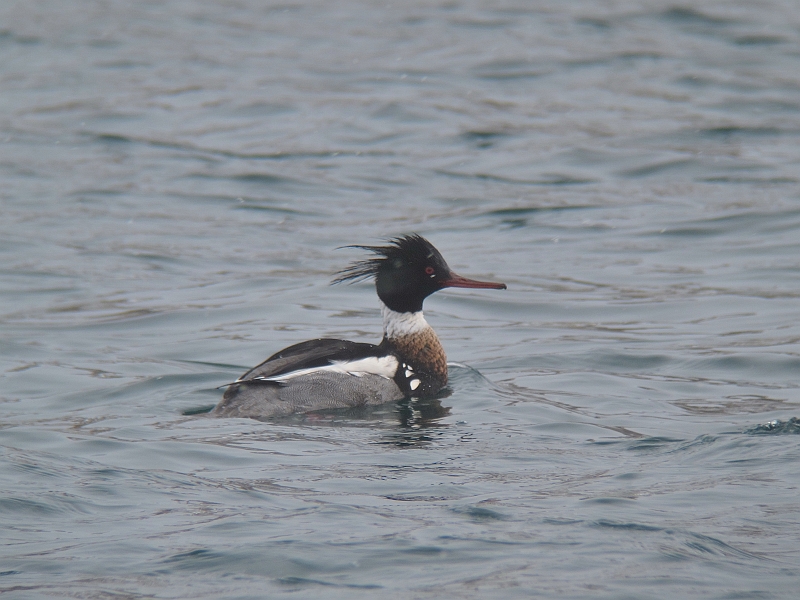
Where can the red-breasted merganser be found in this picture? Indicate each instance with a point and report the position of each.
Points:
(327, 373)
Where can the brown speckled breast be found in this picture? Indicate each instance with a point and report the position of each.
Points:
(424, 353)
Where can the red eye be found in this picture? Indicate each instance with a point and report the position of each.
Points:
(429, 270)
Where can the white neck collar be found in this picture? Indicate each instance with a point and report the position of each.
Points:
(397, 324)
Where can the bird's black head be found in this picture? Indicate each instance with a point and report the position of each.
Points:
(406, 271)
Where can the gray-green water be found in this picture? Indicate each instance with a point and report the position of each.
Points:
(175, 178)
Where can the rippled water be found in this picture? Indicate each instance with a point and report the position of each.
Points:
(622, 422)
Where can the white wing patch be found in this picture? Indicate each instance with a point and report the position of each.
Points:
(384, 366)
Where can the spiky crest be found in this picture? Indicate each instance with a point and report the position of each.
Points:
(411, 248)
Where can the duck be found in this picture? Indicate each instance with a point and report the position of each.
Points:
(325, 373)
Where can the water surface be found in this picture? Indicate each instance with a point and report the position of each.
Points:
(622, 421)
